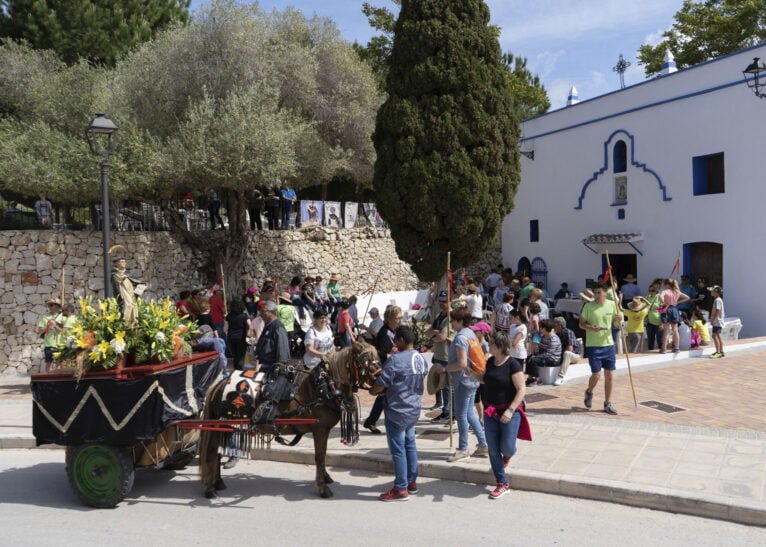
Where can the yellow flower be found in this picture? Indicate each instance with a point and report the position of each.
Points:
(164, 324)
(120, 337)
(103, 306)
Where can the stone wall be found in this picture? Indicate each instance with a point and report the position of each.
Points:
(32, 263)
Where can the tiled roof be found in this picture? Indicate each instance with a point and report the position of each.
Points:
(600, 239)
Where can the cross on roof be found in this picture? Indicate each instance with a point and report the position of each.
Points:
(620, 68)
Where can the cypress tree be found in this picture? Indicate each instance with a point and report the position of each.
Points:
(447, 138)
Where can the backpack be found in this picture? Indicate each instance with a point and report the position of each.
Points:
(476, 356)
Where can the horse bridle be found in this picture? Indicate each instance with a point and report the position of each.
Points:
(365, 370)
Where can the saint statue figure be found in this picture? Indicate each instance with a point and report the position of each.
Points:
(127, 290)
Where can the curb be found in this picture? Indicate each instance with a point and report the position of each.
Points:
(648, 497)
(17, 441)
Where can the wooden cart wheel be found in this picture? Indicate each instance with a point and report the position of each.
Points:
(100, 475)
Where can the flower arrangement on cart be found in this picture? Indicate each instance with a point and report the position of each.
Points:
(100, 339)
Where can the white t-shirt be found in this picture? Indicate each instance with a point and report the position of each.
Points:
(503, 316)
(474, 305)
(321, 341)
(544, 312)
(520, 351)
(718, 305)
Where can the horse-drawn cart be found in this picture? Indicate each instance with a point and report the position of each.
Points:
(114, 421)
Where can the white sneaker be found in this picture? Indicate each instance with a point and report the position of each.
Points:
(558, 381)
(459, 455)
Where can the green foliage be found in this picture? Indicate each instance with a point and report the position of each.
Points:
(378, 50)
(530, 97)
(100, 31)
(447, 137)
(705, 30)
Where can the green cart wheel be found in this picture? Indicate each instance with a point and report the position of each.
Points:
(100, 475)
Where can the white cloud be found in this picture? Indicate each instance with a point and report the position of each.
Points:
(655, 37)
(544, 63)
(522, 21)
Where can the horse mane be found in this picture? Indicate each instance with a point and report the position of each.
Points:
(339, 362)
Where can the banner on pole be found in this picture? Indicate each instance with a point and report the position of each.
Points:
(311, 212)
(373, 217)
(350, 212)
(332, 214)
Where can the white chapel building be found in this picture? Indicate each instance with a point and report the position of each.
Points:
(673, 165)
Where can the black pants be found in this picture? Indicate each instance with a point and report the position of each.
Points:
(377, 410)
(238, 349)
(654, 334)
(255, 218)
(215, 213)
(274, 219)
(535, 362)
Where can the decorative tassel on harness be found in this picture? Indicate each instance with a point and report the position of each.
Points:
(349, 421)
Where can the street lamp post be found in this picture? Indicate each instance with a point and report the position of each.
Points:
(100, 134)
(755, 77)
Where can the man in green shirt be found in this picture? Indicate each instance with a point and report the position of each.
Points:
(526, 289)
(596, 320)
(49, 329)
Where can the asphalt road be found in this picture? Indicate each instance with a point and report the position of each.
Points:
(272, 503)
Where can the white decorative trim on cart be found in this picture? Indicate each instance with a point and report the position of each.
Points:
(91, 392)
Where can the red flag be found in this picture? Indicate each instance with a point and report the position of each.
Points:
(607, 274)
(450, 282)
(676, 267)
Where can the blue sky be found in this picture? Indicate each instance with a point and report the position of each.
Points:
(566, 41)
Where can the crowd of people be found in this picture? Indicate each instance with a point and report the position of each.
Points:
(490, 339)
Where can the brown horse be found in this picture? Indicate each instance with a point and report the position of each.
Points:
(349, 368)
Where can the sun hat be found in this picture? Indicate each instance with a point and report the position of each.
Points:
(334, 277)
(482, 326)
(54, 301)
(436, 381)
(636, 301)
(285, 297)
(587, 295)
(630, 278)
(716, 288)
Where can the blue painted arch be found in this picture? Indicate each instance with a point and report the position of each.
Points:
(632, 159)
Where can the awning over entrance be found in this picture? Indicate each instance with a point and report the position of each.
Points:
(599, 240)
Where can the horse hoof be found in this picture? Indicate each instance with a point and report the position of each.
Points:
(210, 494)
(325, 493)
(328, 479)
(219, 485)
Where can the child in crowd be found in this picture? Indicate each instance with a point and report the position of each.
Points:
(534, 327)
(503, 313)
(635, 313)
(700, 334)
(548, 353)
(716, 319)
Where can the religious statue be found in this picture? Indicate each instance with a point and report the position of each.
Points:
(126, 289)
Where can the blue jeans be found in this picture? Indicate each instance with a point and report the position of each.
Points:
(501, 440)
(404, 453)
(465, 413)
(287, 209)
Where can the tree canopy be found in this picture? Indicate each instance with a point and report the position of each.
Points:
(705, 30)
(99, 31)
(446, 137)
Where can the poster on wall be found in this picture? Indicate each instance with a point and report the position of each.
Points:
(373, 217)
(311, 213)
(350, 212)
(332, 214)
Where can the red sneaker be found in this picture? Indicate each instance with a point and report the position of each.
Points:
(506, 461)
(500, 491)
(395, 495)
(412, 488)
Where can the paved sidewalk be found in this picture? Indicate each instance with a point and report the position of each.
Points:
(708, 459)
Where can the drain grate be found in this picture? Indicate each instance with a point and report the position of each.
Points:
(435, 435)
(662, 407)
(539, 397)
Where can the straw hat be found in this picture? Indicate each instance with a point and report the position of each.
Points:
(54, 301)
(435, 380)
(285, 297)
(334, 277)
(587, 295)
(630, 278)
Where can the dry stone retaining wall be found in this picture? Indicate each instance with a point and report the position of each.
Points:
(31, 264)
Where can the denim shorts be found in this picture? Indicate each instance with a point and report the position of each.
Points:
(601, 357)
(717, 330)
(671, 316)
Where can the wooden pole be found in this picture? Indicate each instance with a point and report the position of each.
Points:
(223, 289)
(449, 325)
(63, 289)
(372, 292)
(622, 332)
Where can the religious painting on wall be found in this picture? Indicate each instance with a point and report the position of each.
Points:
(373, 217)
(620, 190)
(350, 212)
(332, 214)
(311, 212)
